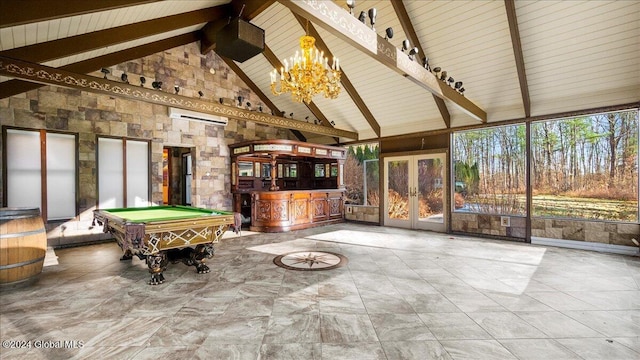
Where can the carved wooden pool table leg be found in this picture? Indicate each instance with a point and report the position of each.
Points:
(157, 263)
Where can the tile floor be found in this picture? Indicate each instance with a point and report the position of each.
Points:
(403, 295)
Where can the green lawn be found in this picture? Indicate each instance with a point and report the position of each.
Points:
(561, 206)
(587, 208)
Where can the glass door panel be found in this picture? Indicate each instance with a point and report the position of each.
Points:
(415, 190)
(397, 205)
(431, 181)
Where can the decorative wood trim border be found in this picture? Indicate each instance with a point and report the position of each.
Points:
(336, 20)
(52, 76)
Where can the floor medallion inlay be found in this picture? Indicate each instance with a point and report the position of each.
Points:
(310, 260)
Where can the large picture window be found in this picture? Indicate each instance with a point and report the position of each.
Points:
(362, 174)
(42, 172)
(123, 173)
(586, 167)
(489, 170)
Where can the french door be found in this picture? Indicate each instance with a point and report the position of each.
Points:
(415, 189)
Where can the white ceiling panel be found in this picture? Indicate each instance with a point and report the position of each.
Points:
(33, 33)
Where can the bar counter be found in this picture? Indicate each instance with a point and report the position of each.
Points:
(279, 211)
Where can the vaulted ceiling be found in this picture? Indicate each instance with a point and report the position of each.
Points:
(517, 59)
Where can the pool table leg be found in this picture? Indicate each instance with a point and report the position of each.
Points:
(193, 257)
(157, 263)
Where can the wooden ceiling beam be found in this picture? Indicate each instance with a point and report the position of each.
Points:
(250, 9)
(336, 20)
(510, 7)
(263, 97)
(346, 83)
(407, 27)
(72, 45)
(29, 11)
(15, 86)
(57, 77)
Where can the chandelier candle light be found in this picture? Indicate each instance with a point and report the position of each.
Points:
(307, 74)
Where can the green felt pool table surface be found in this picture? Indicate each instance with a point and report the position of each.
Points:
(162, 213)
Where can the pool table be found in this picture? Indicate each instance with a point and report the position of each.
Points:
(163, 234)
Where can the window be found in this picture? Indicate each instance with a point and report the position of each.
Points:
(586, 167)
(362, 174)
(489, 170)
(246, 168)
(123, 173)
(47, 183)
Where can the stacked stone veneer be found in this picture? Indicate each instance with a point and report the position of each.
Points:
(485, 224)
(362, 213)
(589, 231)
(91, 115)
(577, 230)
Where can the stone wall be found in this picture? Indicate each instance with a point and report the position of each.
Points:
(484, 224)
(362, 213)
(588, 231)
(91, 115)
(576, 230)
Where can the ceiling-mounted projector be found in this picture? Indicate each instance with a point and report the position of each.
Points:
(239, 40)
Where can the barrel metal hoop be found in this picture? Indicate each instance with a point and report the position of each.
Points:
(23, 263)
(21, 234)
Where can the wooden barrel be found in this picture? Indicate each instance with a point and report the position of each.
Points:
(23, 244)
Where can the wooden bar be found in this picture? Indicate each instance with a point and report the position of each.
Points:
(283, 185)
(280, 211)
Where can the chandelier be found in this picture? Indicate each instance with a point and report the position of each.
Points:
(308, 75)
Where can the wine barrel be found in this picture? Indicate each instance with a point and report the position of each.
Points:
(23, 244)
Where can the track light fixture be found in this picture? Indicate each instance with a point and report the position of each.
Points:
(260, 107)
(373, 12)
(425, 63)
(388, 33)
(443, 76)
(124, 78)
(351, 4)
(413, 52)
(461, 91)
(458, 85)
(405, 45)
(306, 118)
(176, 89)
(362, 17)
(200, 93)
(221, 100)
(291, 115)
(450, 80)
(240, 98)
(142, 81)
(157, 85)
(105, 71)
(248, 105)
(333, 123)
